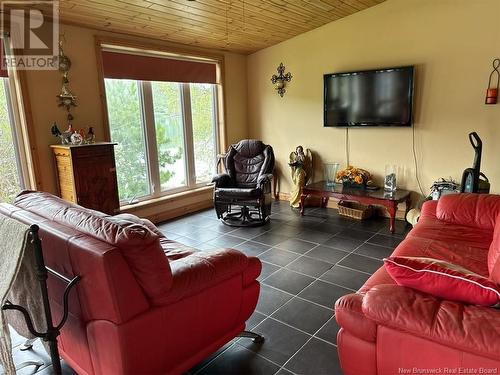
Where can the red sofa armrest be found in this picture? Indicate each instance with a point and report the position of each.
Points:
(472, 329)
(428, 210)
(201, 270)
(473, 210)
(350, 316)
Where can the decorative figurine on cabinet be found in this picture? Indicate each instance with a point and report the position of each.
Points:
(90, 137)
(65, 136)
(301, 172)
(76, 138)
(55, 130)
(73, 137)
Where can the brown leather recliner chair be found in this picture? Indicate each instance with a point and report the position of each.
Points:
(242, 196)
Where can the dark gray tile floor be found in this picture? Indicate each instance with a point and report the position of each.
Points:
(307, 263)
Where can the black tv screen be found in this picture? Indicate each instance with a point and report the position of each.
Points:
(382, 97)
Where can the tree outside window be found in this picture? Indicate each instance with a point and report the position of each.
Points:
(10, 176)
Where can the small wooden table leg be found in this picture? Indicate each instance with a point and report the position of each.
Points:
(275, 184)
(302, 203)
(392, 208)
(324, 201)
(408, 206)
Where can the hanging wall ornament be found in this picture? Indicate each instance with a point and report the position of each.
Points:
(492, 90)
(279, 80)
(66, 98)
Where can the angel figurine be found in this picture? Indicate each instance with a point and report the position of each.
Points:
(90, 137)
(301, 172)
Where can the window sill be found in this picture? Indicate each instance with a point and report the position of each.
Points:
(166, 199)
(173, 205)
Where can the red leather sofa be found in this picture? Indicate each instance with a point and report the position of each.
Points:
(390, 329)
(144, 304)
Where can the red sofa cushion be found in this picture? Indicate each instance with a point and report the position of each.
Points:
(434, 229)
(471, 254)
(473, 210)
(138, 244)
(470, 257)
(494, 254)
(443, 279)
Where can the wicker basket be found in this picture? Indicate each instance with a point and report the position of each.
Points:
(355, 210)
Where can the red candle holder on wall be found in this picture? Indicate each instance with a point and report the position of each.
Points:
(492, 92)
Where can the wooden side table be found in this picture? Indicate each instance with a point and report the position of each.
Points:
(380, 197)
(86, 175)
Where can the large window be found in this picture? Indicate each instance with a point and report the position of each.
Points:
(165, 133)
(11, 176)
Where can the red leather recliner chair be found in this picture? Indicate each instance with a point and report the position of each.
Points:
(144, 304)
(390, 329)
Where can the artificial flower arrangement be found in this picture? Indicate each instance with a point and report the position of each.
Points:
(353, 176)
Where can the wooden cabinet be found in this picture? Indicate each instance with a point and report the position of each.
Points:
(86, 175)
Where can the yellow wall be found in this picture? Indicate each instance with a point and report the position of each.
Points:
(451, 42)
(43, 87)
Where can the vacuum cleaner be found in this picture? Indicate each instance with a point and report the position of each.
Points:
(473, 180)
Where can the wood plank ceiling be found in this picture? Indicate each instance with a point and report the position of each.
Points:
(242, 26)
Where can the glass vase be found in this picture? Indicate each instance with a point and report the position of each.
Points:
(330, 173)
(390, 178)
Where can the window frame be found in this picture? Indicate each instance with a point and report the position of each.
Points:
(22, 122)
(192, 166)
(147, 114)
(18, 150)
(24, 170)
(149, 129)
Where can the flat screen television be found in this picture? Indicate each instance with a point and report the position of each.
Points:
(381, 97)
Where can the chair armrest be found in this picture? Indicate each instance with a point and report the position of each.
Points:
(222, 180)
(350, 316)
(220, 159)
(264, 182)
(473, 329)
(202, 270)
(265, 178)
